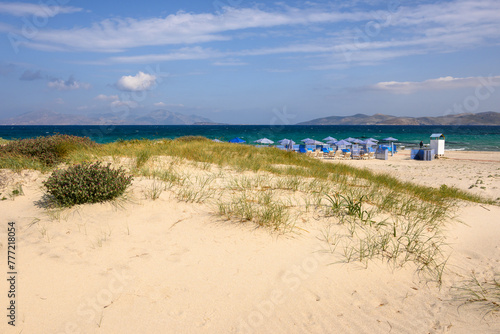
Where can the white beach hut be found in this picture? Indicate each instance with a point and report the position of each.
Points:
(437, 143)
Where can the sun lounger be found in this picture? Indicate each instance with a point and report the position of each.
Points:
(347, 155)
(333, 155)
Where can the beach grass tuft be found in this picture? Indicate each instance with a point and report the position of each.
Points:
(482, 293)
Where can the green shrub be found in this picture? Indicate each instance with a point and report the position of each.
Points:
(86, 183)
(48, 150)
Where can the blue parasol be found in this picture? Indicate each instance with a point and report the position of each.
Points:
(237, 140)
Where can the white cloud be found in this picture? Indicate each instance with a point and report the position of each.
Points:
(70, 84)
(442, 83)
(189, 53)
(113, 35)
(140, 82)
(38, 10)
(414, 28)
(130, 104)
(102, 97)
(160, 104)
(458, 23)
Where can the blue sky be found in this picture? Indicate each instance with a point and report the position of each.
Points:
(258, 62)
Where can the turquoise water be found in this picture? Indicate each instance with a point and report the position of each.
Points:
(478, 138)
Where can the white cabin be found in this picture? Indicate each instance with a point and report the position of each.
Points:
(437, 143)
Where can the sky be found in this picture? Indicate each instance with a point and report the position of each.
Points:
(250, 62)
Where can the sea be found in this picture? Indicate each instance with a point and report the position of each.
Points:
(470, 138)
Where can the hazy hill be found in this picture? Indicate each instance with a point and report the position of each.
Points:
(484, 118)
(165, 117)
(156, 117)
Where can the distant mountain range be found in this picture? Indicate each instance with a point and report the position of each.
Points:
(156, 117)
(484, 118)
(165, 117)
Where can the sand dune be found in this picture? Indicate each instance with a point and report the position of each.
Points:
(166, 266)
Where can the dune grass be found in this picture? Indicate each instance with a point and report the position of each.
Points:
(240, 157)
(377, 216)
(249, 158)
(481, 293)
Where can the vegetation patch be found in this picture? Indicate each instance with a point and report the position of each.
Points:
(86, 183)
(41, 152)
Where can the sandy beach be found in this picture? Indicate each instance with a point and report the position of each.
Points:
(169, 266)
(474, 171)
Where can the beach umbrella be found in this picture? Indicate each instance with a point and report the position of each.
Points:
(329, 138)
(350, 139)
(368, 143)
(391, 140)
(264, 141)
(343, 143)
(373, 139)
(313, 142)
(332, 142)
(356, 141)
(286, 142)
(237, 140)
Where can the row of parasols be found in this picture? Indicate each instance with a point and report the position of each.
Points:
(308, 141)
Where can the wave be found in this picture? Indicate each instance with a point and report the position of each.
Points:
(456, 149)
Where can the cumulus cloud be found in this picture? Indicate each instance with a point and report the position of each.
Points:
(39, 10)
(136, 83)
(442, 83)
(160, 104)
(70, 84)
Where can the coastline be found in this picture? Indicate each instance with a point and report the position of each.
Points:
(167, 265)
(483, 138)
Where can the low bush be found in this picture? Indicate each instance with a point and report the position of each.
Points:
(86, 183)
(48, 150)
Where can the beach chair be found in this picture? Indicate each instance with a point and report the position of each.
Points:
(371, 155)
(331, 155)
(347, 155)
